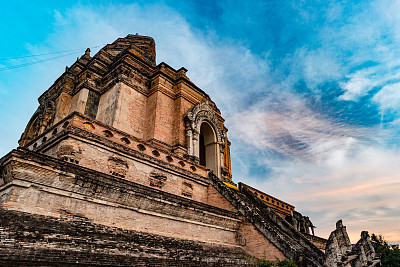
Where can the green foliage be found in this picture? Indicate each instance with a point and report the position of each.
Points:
(277, 263)
(390, 254)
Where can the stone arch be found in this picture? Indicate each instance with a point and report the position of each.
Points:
(31, 130)
(201, 122)
(40, 121)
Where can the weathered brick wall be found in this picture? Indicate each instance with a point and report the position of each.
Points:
(109, 105)
(47, 186)
(70, 240)
(132, 111)
(99, 158)
(182, 105)
(151, 104)
(84, 128)
(163, 117)
(78, 101)
(62, 104)
(317, 241)
(215, 199)
(256, 244)
(43, 185)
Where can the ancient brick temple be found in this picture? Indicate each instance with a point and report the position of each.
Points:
(126, 162)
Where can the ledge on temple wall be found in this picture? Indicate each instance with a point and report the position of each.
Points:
(77, 124)
(231, 186)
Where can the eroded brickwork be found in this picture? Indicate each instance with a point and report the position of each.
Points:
(215, 199)
(73, 240)
(256, 244)
(44, 185)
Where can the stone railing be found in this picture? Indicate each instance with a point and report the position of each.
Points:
(279, 232)
(279, 206)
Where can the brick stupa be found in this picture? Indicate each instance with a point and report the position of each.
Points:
(126, 162)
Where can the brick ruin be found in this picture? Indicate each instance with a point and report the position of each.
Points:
(126, 162)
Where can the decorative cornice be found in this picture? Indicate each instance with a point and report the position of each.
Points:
(110, 181)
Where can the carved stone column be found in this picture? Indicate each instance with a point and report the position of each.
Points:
(196, 144)
(189, 141)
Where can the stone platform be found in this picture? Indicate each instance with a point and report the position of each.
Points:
(71, 240)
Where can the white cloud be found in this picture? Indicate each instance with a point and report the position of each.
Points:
(388, 97)
(361, 189)
(331, 171)
(358, 85)
(314, 66)
(292, 130)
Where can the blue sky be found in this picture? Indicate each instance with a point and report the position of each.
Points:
(310, 90)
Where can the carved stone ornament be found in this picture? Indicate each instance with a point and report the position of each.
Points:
(117, 167)
(157, 179)
(41, 119)
(46, 114)
(301, 223)
(240, 239)
(203, 112)
(187, 189)
(366, 255)
(340, 252)
(6, 174)
(70, 153)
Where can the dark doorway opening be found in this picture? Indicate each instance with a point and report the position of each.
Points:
(202, 150)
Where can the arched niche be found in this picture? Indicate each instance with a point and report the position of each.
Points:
(205, 137)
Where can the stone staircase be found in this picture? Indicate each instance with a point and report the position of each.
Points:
(279, 232)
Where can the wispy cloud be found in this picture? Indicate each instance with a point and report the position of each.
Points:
(361, 189)
(294, 131)
(388, 98)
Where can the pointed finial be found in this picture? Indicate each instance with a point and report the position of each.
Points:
(87, 52)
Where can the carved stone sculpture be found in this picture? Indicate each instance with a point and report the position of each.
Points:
(301, 223)
(365, 252)
(240, 239)
(339, 251)
(187, 189)
(338, 247)
(157, 179)
(40, 121)
(69, 153)
(117, 167)
(46, 114)
(6, 174)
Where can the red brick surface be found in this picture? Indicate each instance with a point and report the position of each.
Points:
(215, 199)
(257, 245)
